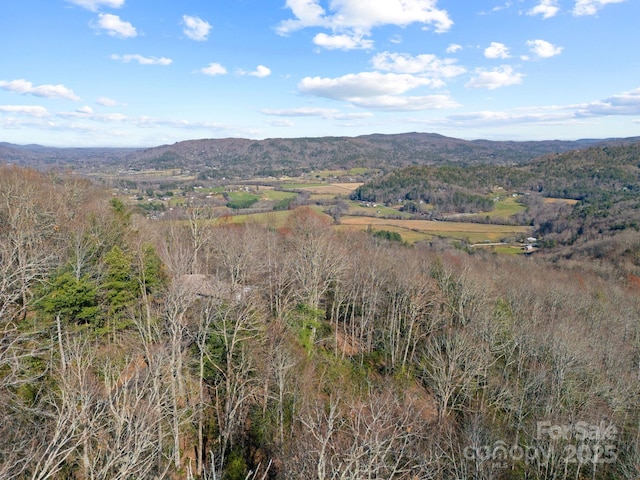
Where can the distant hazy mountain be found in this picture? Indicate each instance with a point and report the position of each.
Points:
(290, 154)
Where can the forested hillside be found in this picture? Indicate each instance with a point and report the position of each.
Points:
(241, 157)
(605, 182)
(192, 347)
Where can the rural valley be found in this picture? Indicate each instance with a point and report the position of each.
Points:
(405, 306)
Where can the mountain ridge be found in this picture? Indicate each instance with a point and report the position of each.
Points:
(280, 155)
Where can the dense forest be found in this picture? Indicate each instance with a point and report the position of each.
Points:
(193, 347)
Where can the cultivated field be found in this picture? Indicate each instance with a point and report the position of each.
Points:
(568, 201)
(416, 230)
(323, 188)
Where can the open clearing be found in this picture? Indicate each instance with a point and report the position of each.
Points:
(568, 201)
(322, 188)
(411, 230)
(415, 230)
(332, 188)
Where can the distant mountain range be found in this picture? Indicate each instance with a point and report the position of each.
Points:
(288, 155)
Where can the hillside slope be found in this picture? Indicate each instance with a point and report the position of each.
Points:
(291, 155)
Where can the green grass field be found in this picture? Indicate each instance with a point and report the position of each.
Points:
(276, 195)
(271, 219)
(241, 199)
(506, 207)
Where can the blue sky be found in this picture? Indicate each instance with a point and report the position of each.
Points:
(146, 72)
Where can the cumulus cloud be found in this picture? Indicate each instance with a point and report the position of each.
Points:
(114, 26)
(29, 110)
(360, 85)
(377, 90)
(24, 87)
(342, 42)
(496, 50)
(543, 49)
(195, 28)
(453, 48)
(358, 17)
(502, 76)
(591, 7)
(94, 5)
(107, 102)
(142, 60)
(214, 69)
(419, 64)
(308, 13)
(546, 8)
(261, 72)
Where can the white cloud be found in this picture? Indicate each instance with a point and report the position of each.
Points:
(419, 64)
(487, 118)
(627, 103)
(624, 104)
(496, 50)
(498, 77)
(29, 110)
(195, 28)
(261, 72)
(342, 42)
(115, 27)
(377, 90)
(591, 7)
(94, 5)
(24, 87)
(360, 85)
(356, 18)
(546, 8)
(410, 103)
(543, 49)
(107, 102)
(214, 69)
(327, 113)
(87, 113)
(300, 112)
(453, 48)
(308, 13)
(142, 60)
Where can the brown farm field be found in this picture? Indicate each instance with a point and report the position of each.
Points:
(568, 201)
(416, 230)
(411, 230)
(332, 188)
